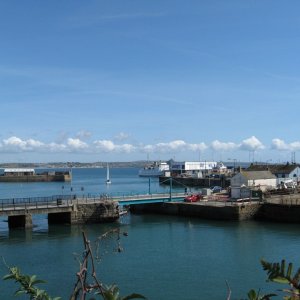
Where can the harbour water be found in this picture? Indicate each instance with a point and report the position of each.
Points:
(164, 257)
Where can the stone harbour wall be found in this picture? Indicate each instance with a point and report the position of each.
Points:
(206, 211)
(106, 211)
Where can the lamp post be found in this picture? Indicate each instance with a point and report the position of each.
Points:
(170, 188)
(149, 186)
(234, 162)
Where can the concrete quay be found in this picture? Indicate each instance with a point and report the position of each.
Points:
(283, 208)
(213, 210)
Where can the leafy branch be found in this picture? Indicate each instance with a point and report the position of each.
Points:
(82, 286)
(27, 285)
(282, 274)
(279, 273)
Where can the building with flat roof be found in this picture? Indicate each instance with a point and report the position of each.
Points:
(18, 172)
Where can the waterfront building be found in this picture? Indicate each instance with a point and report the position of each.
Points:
(284, 173)
(192, 167)
(18, 172)
(199, 169)
(245, 181)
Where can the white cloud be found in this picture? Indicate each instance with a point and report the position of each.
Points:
(295, 146)
(177, 145)
(15, 144)
(83, 134)
(76, 144)
(122, 136)
(280, 145)
(126, 148)
(104, 145)
(221, 146)
(197, 147)
(109, 146)
(251, 144)
(56, 148)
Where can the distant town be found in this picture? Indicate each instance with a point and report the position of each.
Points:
(133, 164)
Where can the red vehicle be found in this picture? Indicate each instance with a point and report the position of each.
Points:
(193, 198)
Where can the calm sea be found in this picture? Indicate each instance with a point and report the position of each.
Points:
(164, 257)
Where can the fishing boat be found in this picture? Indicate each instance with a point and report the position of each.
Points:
(155, 169)
(108, 181)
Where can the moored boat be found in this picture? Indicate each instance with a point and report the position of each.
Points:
(155, 169)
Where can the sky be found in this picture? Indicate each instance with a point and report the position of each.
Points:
(134, 80)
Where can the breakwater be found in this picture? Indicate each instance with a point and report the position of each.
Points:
(62, 177)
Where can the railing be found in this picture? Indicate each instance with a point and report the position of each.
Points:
(32, 203)
(286, 200)
(69, 200)
(222, 201)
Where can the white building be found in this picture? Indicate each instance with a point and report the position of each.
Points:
(284, 173)
(18, 172)
(242, 183)
(193, 168)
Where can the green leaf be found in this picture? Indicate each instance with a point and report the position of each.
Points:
(134, 296)
(8, 276)
(280, 279)
(252, 295)
(289, 270)
(282, 268)
(268, 296)
(19, 292)
(39, 281)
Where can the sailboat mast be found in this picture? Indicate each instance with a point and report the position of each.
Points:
(107, 175)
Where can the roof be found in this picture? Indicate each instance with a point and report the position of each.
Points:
(254, 175)
(275, 168)
(16, 170)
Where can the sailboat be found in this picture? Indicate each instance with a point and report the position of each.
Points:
(108, 181)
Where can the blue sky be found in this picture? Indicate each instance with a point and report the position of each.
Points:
(126, 80)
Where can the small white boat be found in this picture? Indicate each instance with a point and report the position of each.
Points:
(154, 170)
(108, 181)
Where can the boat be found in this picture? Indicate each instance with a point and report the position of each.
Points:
(154, 169)
(108, 181)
